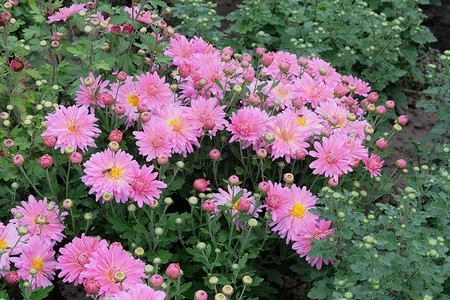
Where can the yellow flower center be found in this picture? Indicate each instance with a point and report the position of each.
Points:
(38, 263)
(133, 100)
(71, 126)
(236, 205)
(113, 173)
(280, 93)
(300, 121)
(176, 125)
(3, 244)
(298, 211)
(284, 136)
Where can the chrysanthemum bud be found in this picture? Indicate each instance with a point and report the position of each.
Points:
(201, 295)
(288, 178)
(148, 269)
(69, 150)
(46, 161)
(173, 271)
(18, 160)
(193, 200)
(247, 280)
(213, 280)
(156, 280)
(88, 216)
(113, 146)
(233, 180)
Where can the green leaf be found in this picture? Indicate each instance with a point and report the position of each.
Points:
(41, 293)
(320, 291)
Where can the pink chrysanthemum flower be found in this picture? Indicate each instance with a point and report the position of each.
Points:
(207, 113)
(106, 263)
(282, 93)
(75, 255)
(211, 72)
(373, 164)
(319, 231)
(72, 126)
(199, 45)
(223, 197)
(297, 215)
(38, 254)
(140, 291)
(110, 172)
(143, 17)
(289, 137)
(311, 91)
(180, 49)
(36, 215)
(361, 87)
(65, 13)
(337, 115)
(87, 95)
(353, 144)
(127, 97)
(183, 132)
(154, 140)
(286, 59)
(248, 125)
(153, 90)
(309, 120)
(332, 158)
(8, 238)
(144, 187)
(278, 200)
(323, 71)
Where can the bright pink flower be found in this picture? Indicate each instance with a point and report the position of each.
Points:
(154, 141)
(156, 280)
(116, 136)
(153, 90)
(373, 164)
(144, 187)
(183, 133)
(278, 200)
(381, 143)
(75, 255)
(18, 159)
(85, 97)
(128, 98)
(37, 254)
(403, 120)
(248, 125)
(110, 172)
(66, 12)
(294, 217)
(214, 154)
(105, 263)
(35, 212)
(401, 164)
(201, 294)
(140, 291)
(173, 271)
(49, 141)
(91, 285)
(12, 277)
(332, 158)
(72, 126)
(8, 238)
(208, 205)
(285, 59)
(143, 17)
(201, 185)
(302, 244)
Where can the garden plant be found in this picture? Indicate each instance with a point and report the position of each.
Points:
(140, 162)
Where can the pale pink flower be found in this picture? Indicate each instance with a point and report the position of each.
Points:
(361, 87)
(183, 132)
(154, 141)
(322, 70)
(207, 110)
(153, 90)
(144, 187)
(248, 125)
(290, 221)
(37, 254)
(110, 172)
(105, 263)
(332, 158)
(289, 137)
(72, 126)
(144, 16)
(140, 291)
(286, 59)
(311, 91)
(180, 49)
(223, 197)
(65, 13)
(35, 212)
(373, 164)
(75, 255)
(302, 245)
(87, 95)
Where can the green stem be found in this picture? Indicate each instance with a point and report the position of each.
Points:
(50, 184)
(67, 179)
(29, 181)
